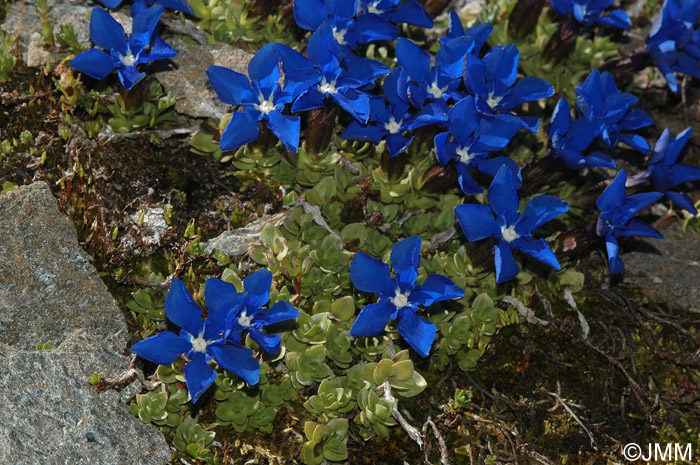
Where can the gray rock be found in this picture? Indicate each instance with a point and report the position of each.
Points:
(238, 242)
(23, 19)
(188, 80)
(49, 291)
(668, 269)
(154, 224)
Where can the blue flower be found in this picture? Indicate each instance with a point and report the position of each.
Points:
(386, 121)
(673, 43)
(492, 81)
(261, 98)
(471, 138)
(200, 341)
(322, 77)
(244, 310)
(426, 82)
(666, 173)
(396, 11)
(589, 12)
(617, 217)
(570, 139)
(512, 229)
(122, 53)
(458, 43)
(399, 297)
(598, 98)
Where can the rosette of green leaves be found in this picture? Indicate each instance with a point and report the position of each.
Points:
(311, 329)
(150, 302)
(325, 441)
(178, 403)
(331, 400)
(370, 348)
(399, 372)
(376, 414)
(273, 249)
(342, 309)
(308, 367)
(310, 168)
(193, 440)
(172, 373)
(150, 407)
(226, 383)
(240, 411)
(338, 345)
(274, 395)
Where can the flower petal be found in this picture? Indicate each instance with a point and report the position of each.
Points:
(163, 348)
(404, 259)
(539, 250)
(199, 377)
(418, 332)
(231, 87)
(539, 211)
(144, 23)
(239, 361)
(281, 311)
(309, 14)
(639, 228)
(502, 196)
(270, 343)
(372, 319)
(286, 128)
(180, 307)
(242, 129)
(613, 195)
(615, 262)
(264, 67)
(436, 288)
(371, 275)
(257, 285)
(95, 63)
(106, 32)
(477, 221)
(414, 60)
(506, 266)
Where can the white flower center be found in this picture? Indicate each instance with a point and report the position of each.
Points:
(245, 320)
(400, 300)
(494, 101)
(129, 59)
(509, 234)
(464, 155)
(199, 344)
(339, 35)
(326, 87)
(265, 106)
(374, 10)
(393, 126)
(436, 91)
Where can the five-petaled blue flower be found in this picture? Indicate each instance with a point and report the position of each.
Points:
(492, 81)
(122, 53)
(674, 42)
(245, 309)
(512, 229)
(666, 173)
(569, 139)
(470, 139)
(261, 98)
(200, 341)
(589, 12)
(617, 217)
(399, 297)
(598, 98)
(322, 77)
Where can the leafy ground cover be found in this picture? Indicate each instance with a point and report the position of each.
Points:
(551, 367)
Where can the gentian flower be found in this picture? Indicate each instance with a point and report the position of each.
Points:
(469, 141)
(245, 309)
(674, 42)
(426, 82)
(589, 12)
(570, 139)
(200, 341)
(617, 217)
(386, 121)
(122, 53)
(666, 173)
(598, 98)
(322, 77)
(458, 42)
(399, 297)
(512, 229)
(492, 81)
(261, 98)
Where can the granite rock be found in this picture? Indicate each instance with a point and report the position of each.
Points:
(49, 291)
(668, 269)
(188, 79)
